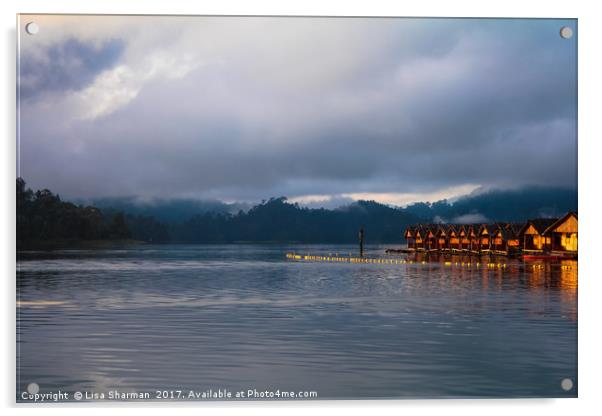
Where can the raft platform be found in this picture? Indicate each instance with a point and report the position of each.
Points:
(392, 261)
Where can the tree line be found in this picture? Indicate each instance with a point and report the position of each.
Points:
(277, 220)
(43, 216)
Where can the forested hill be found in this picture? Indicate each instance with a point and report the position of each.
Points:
(514, 205)
(279, 220)
(44, 216)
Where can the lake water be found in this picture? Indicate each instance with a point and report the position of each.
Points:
(239, 317)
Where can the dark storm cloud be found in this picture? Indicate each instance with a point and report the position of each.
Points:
(322, 107)
(66, 66)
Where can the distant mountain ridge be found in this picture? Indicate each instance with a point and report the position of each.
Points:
(277, 219)
(501, 205)
(167, 210)
(490, 205)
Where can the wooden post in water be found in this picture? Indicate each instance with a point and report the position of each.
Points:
(361, 237)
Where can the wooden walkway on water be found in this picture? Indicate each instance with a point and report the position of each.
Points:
(391, 261)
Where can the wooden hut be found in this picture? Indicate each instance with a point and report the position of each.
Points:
(473, 237)
(563, 235)
(453, 238)
(463, 231)
(442, 243)
(431, 237)
(532, 235)
(541, 237)
(487, 233)
(504, 239)
(419, 238)
(496, 241)
(410, 236)
(513, 240)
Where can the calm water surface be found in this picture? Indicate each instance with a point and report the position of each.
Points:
(146, 318)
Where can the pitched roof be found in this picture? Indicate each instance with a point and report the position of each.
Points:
(508, 230)
(540, 224)
(491, 228)
(508, 233)
(472, 229)
(516, 227)
(560, 221)
(431, 227)
(452, 228)
(420, 231)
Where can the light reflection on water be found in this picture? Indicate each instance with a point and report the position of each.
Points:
(242, 316)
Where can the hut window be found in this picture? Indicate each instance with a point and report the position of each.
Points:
(569, 242)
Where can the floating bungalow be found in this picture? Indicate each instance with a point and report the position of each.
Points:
(486, 234)
(498, 242)
(511, 236)
(473, 237)
(533, 238)
(539, 237)
(454, 239)
(410, 236)
(442, 238)
(563, 235)
(505, 240)
(463, 235)
(419, 237)
(431, 238)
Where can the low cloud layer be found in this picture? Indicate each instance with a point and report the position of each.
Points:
(330, 109)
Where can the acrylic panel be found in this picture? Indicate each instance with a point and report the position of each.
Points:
(295, 208)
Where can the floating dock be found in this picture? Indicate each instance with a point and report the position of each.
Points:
(390, 261)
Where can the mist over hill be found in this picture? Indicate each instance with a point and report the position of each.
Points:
(514, 205)
(276, 219)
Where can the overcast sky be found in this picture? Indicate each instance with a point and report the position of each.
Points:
(321, 110)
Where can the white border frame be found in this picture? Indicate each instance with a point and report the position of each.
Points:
(590, 69)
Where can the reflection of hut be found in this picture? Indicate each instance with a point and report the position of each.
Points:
(563, 235)
(441, 235)
(410, 236)
(532, 235)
